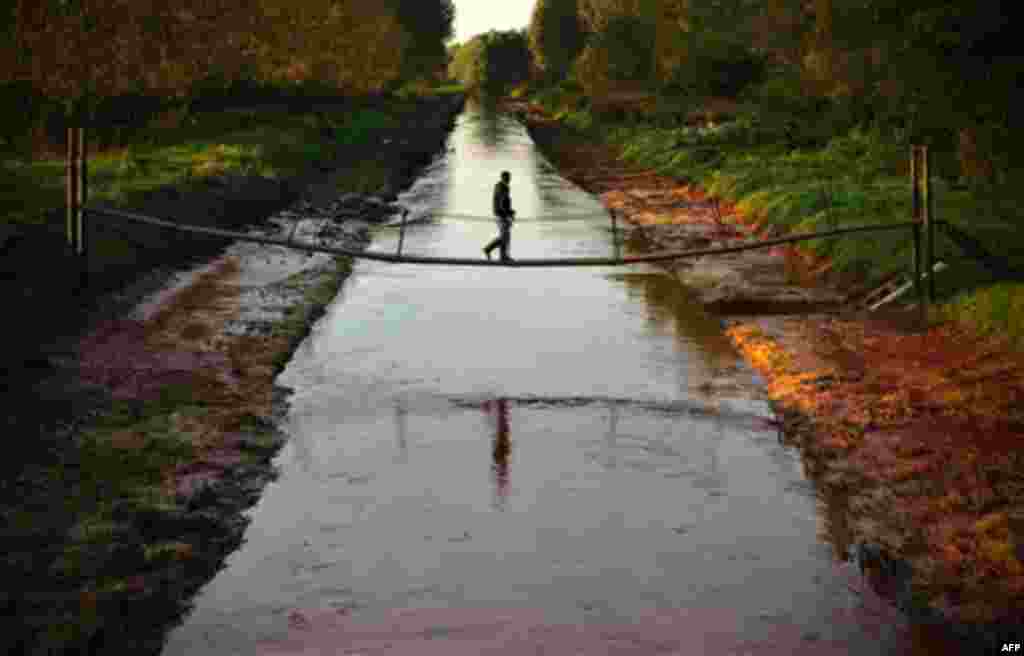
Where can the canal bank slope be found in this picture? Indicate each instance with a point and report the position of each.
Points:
(147, 426)
(912, 435)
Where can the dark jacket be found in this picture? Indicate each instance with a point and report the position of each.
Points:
(502, 201)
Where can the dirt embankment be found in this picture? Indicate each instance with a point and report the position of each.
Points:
(148, 422)
(912, 435)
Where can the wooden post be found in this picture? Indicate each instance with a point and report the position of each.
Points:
(928, 221)
(70, 188)
(915, 187)
(917, 170)
(615, 236)
(918, 282)
(76, 196)
(401, 231)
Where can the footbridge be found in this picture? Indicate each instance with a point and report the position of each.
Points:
(397, 257)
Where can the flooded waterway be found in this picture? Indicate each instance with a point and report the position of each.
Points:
(556, 461)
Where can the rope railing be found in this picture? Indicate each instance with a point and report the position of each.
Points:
(663, 256)
(526, 219)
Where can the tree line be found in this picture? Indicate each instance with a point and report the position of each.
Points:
(78, 53)
(491, 62)
(939, 70)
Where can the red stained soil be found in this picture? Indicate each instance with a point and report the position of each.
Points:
(928, 421)
(685, 632)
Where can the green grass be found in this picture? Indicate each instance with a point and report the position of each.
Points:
(183, 152)
(858, 177)
(852, 181)
(995, 309)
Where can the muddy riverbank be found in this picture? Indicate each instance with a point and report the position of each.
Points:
(907, 430)
(146, 411)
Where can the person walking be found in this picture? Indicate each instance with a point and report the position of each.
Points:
(505, 214)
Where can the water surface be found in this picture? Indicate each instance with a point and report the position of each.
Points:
(564, 450)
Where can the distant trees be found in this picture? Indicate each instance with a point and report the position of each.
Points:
(428, 24)
(77, 50)
(466, 62)
(492, 62)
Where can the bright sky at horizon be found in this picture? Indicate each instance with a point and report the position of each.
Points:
(474, 17)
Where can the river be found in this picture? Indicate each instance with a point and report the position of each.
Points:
(529, 460)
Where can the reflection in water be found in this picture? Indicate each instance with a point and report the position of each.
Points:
(669, 303)
(402, 430)
(502, 448)
(488, 129)
(553, 193)
(610, 435)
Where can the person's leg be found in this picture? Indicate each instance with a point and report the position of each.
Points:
(494, 243)
(506, 241)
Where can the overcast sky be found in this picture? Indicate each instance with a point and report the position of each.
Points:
(474, 17)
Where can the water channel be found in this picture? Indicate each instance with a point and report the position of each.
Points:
(527, 460)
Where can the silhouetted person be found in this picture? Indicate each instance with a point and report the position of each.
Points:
(505, 214)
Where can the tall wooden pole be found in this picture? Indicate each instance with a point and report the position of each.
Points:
(615, 236)
(71, 189)
(76, 196)
(916, 171)
(928, 220)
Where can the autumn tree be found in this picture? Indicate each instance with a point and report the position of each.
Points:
(77, 50)
(556, 36)
(428, 24)
(506, 59)
(596, 14)
(945, 70)
(467, 61)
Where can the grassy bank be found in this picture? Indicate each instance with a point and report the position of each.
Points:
(116, 513)
(788, 180)
(184, 149)
(221, 169)
(120, 553)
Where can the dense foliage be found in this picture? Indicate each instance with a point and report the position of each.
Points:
(943, 71)
(556, 36)
(80, 53)
(492, 62)
(429, 24)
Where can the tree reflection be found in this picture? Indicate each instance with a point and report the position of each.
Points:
(487, 126)
(402, 430)
(669, 302)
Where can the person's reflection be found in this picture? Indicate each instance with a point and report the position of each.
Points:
(402, 431)
(502, 448)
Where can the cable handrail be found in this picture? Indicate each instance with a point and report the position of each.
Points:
(527, 219)
(663, 256)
